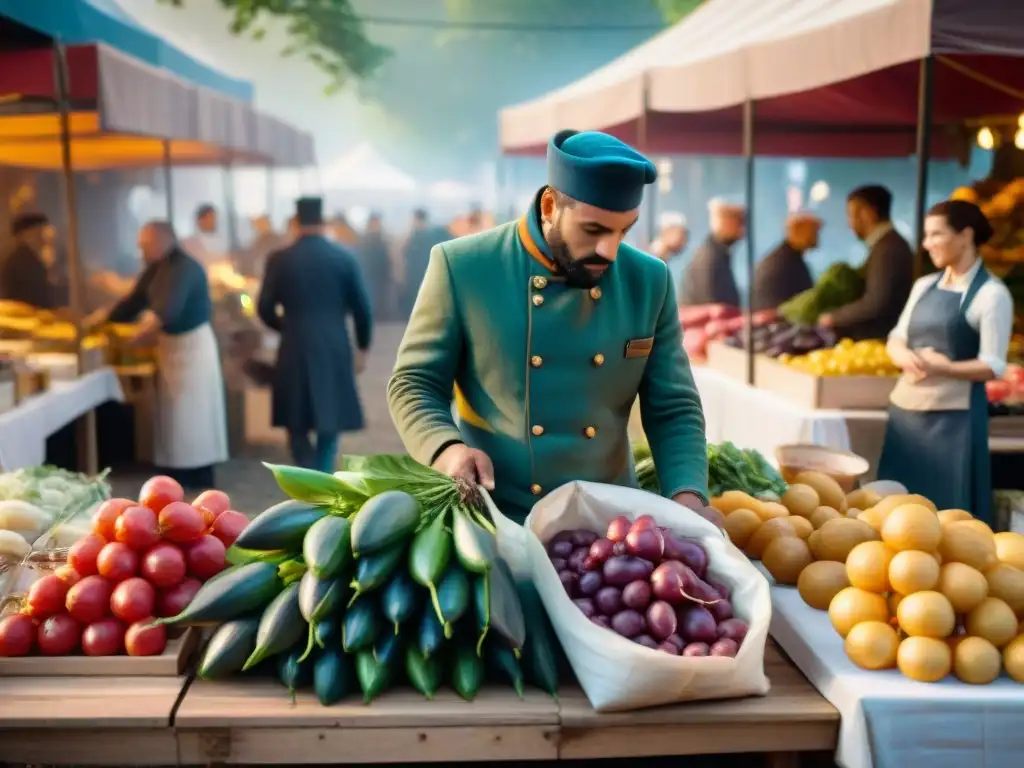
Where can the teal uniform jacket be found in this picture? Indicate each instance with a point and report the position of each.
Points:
(545, 375)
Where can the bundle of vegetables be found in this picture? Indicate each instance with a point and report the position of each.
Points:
(46, 507)
(729, 469)
(383, 570)
(782, 338)
(840, 285)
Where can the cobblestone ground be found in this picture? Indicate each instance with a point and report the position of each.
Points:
(246, 480)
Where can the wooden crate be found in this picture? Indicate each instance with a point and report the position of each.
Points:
(1006, 426)
(843, 393)
(728, 360)
(138, 382)
(171, 663)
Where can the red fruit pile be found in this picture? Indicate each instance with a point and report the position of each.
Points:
(143, 560)
(649, 585)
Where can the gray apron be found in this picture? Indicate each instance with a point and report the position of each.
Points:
(936, 441)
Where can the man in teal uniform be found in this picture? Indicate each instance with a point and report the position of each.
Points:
(548, 329)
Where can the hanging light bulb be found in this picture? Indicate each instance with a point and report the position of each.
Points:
(1020, 120)
(1018, 138)
(986, 139)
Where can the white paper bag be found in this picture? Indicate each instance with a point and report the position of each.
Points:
(618, 674)
(512, 539)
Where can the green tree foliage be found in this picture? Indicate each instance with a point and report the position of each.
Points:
(329, 33)
(674, 10)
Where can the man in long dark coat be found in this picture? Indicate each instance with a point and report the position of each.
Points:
(309, 291)
(783, 273)
(422, 239)
(709, 278)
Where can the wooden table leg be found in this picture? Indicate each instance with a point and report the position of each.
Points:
(88, 452)
(782, 760)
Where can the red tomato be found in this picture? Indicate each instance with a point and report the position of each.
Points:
(46, 597)
(212, 504)
(164, 565)
(229, 526)
(17, 635)
(103, 638)
(105, 517)
(1015, 375)
(142, 639)
(89, 599)
(68, 575)
(181, 522)
(997, 390)
(83, 553)
(160, 491)
(58, 635)
(171, 602)
(137, 527)
(205, 558)
(133, 599)
(117, 562)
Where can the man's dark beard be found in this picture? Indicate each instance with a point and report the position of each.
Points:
(575, 270)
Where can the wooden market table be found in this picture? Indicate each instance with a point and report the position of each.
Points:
(180, 721)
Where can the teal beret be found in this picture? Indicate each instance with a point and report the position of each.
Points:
(599, 170)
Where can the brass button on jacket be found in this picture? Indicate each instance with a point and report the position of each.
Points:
(536, 361)
(595, 293)
(535, 489)
(540, 282)
(597, 359)
(590, 432)
(537, 299)
(537, 430)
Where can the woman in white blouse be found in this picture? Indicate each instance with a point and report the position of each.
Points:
(951, 338)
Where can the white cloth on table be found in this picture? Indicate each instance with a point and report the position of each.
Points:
(753, 418)
(23, 430)
(191, 416)
(890, 721)
(990, 314)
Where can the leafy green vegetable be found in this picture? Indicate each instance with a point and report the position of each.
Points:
(729, 469)
(840, 285)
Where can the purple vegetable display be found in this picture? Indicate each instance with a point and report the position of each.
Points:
(649, 585)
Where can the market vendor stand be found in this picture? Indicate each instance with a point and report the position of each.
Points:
(185, 721)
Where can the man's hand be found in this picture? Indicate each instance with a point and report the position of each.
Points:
(360, 360)
(693, 502)
(472, 465)
(826, 321)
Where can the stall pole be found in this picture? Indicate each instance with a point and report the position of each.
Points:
(924, 145)
(748, 163)
(271, 201)
(643, 141)
(86, 428)
(229, 204)
(168, 182)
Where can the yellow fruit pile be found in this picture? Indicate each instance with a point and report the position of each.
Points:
(930, 592)
(847, 358)
(938, 594)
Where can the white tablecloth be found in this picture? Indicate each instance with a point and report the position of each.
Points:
(890, 721)
(754, 418)
(23, 430)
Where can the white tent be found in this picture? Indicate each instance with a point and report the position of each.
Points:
(365, 169)
(730, 51)
(453, 191)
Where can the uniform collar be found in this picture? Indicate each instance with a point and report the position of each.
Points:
(532, 236)
(961, 283)
(877, 234)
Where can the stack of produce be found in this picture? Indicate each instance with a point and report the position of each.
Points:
(1003, 205)
(142, 560)
(705, 323)
(779, 338)
(385, 570)
(729, 469)
(648, 584)
(846, 358)
(840, 285)
(934, 593)
(1006, 395)
(45, 508)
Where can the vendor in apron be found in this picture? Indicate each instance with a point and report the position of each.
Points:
(952, 337)
(190, 432)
